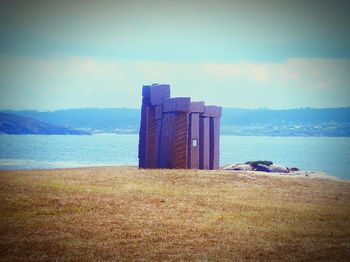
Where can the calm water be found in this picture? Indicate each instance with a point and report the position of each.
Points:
(327, 154)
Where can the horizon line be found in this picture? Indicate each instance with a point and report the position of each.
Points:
(134, 108)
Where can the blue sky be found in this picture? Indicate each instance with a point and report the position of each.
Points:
(250, 54)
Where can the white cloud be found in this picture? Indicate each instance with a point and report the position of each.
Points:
(67, 82)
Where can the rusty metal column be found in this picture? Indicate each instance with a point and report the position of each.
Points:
(143, 134)
(174, 133)
(158, 116)
(214, 142)
(149, 136)
(193, 134)
(213, 113)
(204, 142)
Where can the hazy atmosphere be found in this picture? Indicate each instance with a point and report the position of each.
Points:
(250, 54)
(174, 130)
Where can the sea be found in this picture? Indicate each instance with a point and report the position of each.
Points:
(330, 155)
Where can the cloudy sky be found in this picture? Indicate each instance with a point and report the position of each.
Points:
(249, 54)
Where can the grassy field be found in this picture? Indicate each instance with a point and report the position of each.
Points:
(122, 213)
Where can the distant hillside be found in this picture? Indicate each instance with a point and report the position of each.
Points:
(14, 125)
(88, 118)
(291, 122)
(239, 116)
(235, 121)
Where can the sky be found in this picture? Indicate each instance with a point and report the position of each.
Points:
(247, 54)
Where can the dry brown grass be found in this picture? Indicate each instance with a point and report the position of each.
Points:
(122, 213)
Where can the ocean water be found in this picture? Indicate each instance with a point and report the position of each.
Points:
(326, 154)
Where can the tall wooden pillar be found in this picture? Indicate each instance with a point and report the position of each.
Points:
(149, 137)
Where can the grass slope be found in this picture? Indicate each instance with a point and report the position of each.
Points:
(129, 214)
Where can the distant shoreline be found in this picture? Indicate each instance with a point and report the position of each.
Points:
(328, 122)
